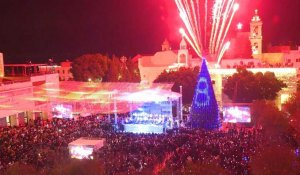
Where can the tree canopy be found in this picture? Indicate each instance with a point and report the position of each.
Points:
(245, 86)
(267, 115)
(185, 77)
(90, 66)
(98, 67)
(292, 106)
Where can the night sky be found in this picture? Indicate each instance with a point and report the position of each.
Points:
(37, 30)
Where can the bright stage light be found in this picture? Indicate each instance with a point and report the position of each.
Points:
(62, 111)
(80, 152)
(144, 129)
(5, 106)
(149, 95)
(297, 152)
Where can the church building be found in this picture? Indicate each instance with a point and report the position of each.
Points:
(151, 66)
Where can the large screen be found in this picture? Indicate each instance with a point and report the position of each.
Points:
(236, 114)
(62, 111)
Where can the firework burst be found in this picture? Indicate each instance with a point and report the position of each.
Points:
(207, 36)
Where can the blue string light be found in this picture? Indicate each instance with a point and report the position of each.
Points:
(204, 111)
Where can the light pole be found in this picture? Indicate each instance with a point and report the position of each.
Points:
(180, 117)
(109, 102)
(115, 107)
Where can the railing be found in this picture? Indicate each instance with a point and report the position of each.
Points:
(28, 74)
(7, 81)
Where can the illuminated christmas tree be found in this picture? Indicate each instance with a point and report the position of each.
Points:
(204, 111)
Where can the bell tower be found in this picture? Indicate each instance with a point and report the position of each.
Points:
(183, 54)
(256, 34)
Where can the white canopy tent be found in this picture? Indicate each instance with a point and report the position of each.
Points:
(83, 147)
(86, 97)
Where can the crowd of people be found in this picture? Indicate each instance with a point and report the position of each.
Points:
(30, 144)
(132, 153)
(36, 143)
(231, 149)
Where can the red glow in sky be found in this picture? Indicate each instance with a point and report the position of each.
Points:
(63, 29)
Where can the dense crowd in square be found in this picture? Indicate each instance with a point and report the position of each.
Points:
(42, 142)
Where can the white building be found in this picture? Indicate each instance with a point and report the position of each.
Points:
(63, 70)
(284, 64)
(256, 34)
(18, 102)
(152, 66)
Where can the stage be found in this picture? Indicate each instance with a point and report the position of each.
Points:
(144, 128)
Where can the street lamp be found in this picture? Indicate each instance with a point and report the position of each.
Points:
(180, 117)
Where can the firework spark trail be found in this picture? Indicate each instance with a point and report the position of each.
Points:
(223, 50)
(220, 25)
(192, 21)
(218, 7)
(190, 42)
(196, 24)
(185, 15)
(197, 27)
(235, 8)
(205, 21)
(213, 26)
(229, 7)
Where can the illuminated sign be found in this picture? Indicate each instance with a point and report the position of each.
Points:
(237, 114)
(202, 97)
